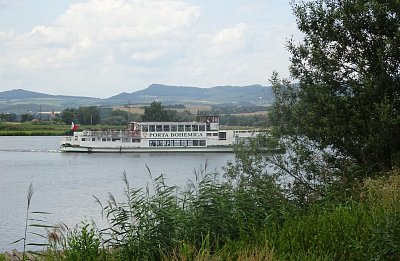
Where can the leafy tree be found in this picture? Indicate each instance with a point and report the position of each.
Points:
(88, 115)
(348, 96)
(341, 121)
(156, 112)
(69, 115)
(114, 120)
(9, 117)
(128, 116)
(26, 117)
(82, 115)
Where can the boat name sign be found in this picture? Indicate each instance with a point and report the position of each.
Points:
(176, 135)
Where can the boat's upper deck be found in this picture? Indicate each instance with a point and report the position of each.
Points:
(203, 123)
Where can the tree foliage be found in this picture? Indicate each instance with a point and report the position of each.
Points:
(26, 117)
(83, 115)
(348, 96)
(9, 117)
(157, 112)
(340, 121)
(68, 115)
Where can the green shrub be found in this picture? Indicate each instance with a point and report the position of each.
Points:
(82, 243)
(368, 229)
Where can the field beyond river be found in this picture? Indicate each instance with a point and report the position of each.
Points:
(46, 128)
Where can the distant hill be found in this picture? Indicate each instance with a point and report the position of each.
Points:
(20, 101)
(22, 94)
(17, 94)
(253, 94)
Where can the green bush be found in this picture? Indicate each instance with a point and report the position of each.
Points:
(82, 243)
(368, 229)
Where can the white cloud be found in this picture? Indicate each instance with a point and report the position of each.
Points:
(110, 46)
(6, 35)
(127, 20)
(91, 29)
(228, 40)
(6, 3)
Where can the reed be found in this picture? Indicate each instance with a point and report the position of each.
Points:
(237, 217)
(32, 222)
(197, 221)
(24, 238)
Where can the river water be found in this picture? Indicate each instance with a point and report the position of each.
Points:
(64, 183)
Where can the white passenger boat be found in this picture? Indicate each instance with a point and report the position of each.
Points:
(204, 135)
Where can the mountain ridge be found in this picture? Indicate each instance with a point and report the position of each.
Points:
(23, 100)
(217, 94)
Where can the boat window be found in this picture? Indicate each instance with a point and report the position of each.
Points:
(188, 128)
(174, 128)
(126, 140)
(83, 139)
(152, 143)
(222, 136)
(116, 139)
(103, 139)
(215, 134)
(166, 127)
(195, 127)
(135, 140)
(158, 128)
(195, 143)
(167, 143)
(202, 128)
(208, 134)
(145, 128)
(181, 128)
(93, 139)
(152, 128)
(202, 142)
(159, 143)
(189, 143)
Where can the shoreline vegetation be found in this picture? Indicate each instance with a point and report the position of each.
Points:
(45, 128)
(229, 218)
(61, 129)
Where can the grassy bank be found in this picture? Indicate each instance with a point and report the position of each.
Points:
(240, 219)
(44, 129)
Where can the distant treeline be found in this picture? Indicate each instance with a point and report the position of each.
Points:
(94, 115)
(238, 109)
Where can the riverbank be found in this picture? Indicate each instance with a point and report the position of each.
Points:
(15, 255)
(61, 129)
(32, 129)
(215, 221)
(44, 128)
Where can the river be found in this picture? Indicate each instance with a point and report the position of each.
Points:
(64, 183)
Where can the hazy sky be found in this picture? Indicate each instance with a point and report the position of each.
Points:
(100, 48)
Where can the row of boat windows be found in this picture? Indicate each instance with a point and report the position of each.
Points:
(111, 139)
(157, 143)
(222, 136)
(177, 143)
(173, 128)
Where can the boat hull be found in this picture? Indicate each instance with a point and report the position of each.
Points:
(210, 149)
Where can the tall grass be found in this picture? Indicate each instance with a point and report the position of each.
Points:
(366, 229)
(237, 218)
(203, 218)
(32, 221)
